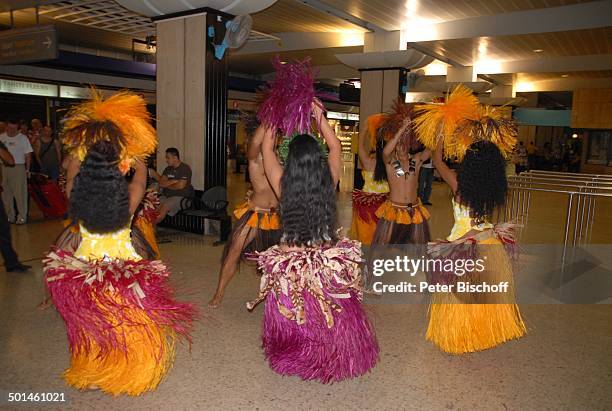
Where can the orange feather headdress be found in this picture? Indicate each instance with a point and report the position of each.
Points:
(135, 138)
(461, 121)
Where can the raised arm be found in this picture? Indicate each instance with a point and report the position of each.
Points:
(334, 157)
(445, 172)
(391, 144)
(272, 167)
(255, 143)
(137, 186)
(367, 162)
(424, 155)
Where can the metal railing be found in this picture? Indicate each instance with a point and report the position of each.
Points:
(582, 192)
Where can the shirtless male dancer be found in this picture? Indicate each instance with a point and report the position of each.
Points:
(258, 225)
(402, 218)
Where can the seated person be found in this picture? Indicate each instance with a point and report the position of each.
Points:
(174, 184)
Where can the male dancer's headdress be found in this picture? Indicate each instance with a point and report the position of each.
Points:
(394, 120)
(127, 111)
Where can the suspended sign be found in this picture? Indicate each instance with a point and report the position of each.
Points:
(74, 92)
(28, 45)
(342, 116)
(28, 88)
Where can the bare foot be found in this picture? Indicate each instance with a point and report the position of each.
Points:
(216, 301)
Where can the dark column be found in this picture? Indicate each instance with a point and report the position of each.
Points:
(216, 80)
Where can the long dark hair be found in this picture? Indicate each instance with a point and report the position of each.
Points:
(380, 172)
(99, 199)
(308, 197)
(481, 179)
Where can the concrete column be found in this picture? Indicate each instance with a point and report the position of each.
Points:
(192, 96)
(379, 88)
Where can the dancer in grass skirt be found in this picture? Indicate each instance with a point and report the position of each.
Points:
(314, 324)
(121, 316)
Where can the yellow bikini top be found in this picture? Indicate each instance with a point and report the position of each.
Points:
(115, 245)
(464, 222)
(373, 186)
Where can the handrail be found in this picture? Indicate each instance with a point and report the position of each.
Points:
(567, 192)
(543, 181)
(517, 186)
(568, 173)
(585, 204)
(562, 177)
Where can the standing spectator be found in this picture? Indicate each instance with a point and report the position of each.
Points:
(23, 128)
(15, 178)
(546, 157)
(521, 158)
(48, 153)
(174, 183)
(532, 152)
(34, 134)
(36, 131)
(426, 178)
(11, 261)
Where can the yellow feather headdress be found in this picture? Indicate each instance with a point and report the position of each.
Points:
(136, 138)
(461, 121)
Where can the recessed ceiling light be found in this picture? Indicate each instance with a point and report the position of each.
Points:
(538, 50)
(564, 75)
(283, 62)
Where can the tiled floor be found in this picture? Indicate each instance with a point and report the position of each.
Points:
(564, 363)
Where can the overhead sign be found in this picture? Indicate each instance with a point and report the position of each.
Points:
(342, 116)
(28, 45)
(75, 92)
(29, 88)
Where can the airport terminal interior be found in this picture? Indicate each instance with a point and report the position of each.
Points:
(201, 77)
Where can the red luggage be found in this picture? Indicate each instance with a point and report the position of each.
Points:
(48, 198)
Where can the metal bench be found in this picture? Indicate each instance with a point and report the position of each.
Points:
(208, 205)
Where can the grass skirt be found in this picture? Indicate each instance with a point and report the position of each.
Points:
(401, 224)
(256, 229)
(463, 323)
(121, 319)
(364, 214)
(314, 324)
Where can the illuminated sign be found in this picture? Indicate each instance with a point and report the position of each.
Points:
(28, 88)
(342, 116)
(74, 92)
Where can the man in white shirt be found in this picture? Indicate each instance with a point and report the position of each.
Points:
(15, 178)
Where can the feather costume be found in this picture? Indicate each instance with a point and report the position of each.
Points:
(460, 323)
(121, 316)
(287, 100)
